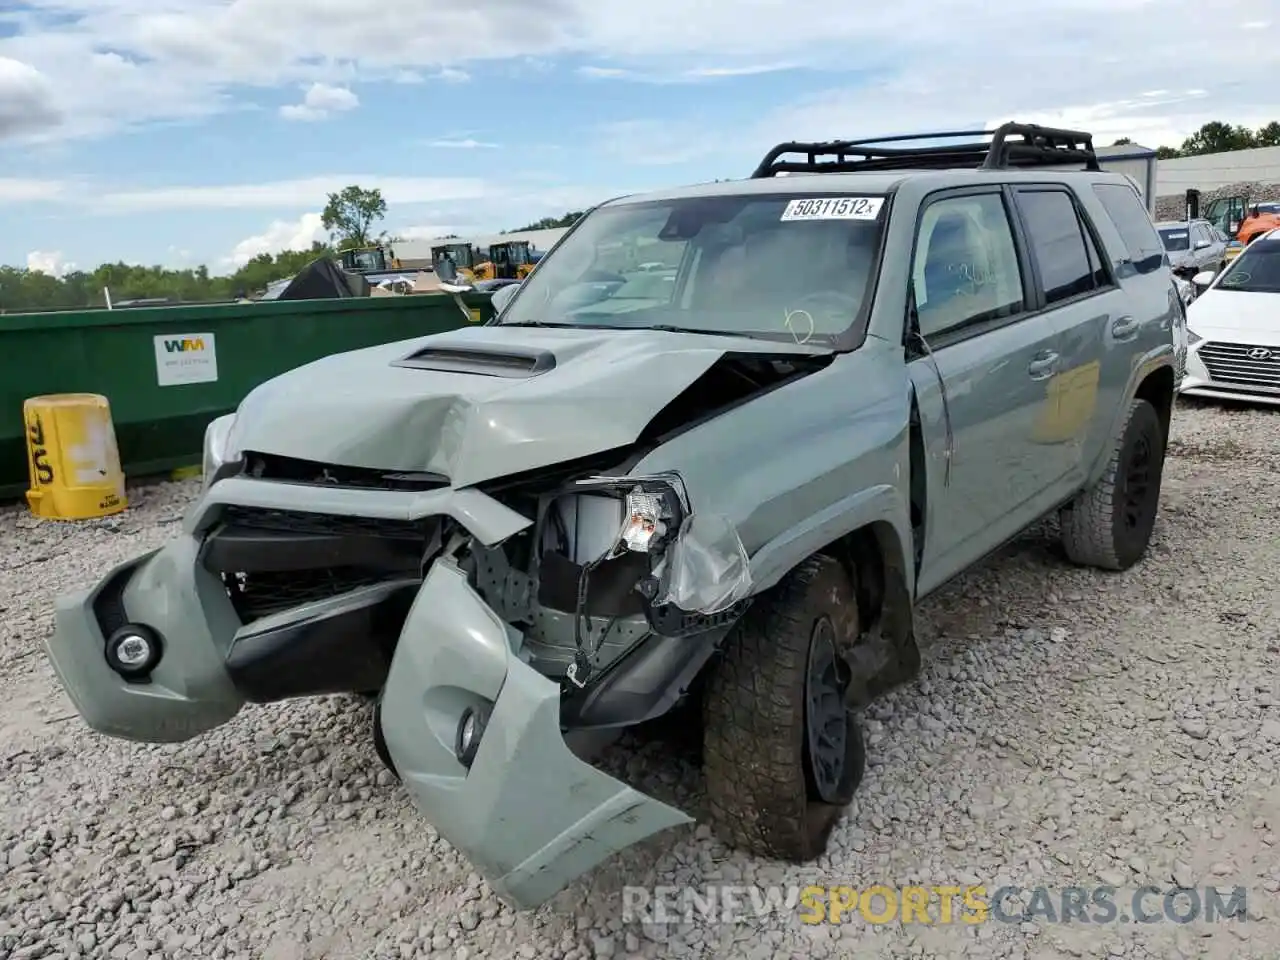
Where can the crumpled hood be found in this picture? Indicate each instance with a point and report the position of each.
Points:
(365, 409)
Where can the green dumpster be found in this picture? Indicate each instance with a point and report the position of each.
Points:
(168, 371)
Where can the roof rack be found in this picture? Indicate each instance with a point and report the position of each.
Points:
(1038, 146)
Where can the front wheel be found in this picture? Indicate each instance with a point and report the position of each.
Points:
(1109, 525)
(783, 753)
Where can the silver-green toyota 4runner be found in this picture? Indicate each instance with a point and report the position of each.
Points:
(709, 453)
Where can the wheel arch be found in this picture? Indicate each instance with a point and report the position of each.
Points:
(877, 555)
(1154, 381)
(1158, 389)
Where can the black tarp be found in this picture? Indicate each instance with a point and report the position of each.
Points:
(324, 278)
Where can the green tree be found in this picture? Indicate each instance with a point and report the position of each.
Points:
(30, 290)
(1122, 142)
(551, 223)
(349, 215)
(1218, 137)
(1269, 136)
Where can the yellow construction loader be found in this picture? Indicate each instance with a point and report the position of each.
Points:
(463, 257)
(511, 260)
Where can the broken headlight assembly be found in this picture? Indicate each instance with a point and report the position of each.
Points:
(698, 571)
(219, 457)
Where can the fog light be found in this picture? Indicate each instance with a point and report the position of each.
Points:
(133, 651)
(470, 731)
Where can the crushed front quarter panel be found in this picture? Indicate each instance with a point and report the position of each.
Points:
(529, 815)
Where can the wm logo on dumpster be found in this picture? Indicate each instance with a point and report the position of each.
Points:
(186, 345)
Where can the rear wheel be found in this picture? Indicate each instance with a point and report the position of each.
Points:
(783, 754)
(1109, 525)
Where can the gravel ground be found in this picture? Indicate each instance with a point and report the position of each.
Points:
(1071, 729)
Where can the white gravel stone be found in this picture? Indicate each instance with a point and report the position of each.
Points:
(1071, 728)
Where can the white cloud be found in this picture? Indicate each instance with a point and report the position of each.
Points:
(280, 235)
(661, 142)
(426, 231)
(21, 190)
(50, 263)
(290, 194)
(320, 101)
(183, 58)
(26, 99)
(605, 73)
(452, 75)
(462, 144)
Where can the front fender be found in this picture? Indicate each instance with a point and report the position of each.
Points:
(879, 504)
(801, 466)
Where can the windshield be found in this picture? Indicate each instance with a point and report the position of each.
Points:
(773, 267)
(1256, 270)
(1175, 239)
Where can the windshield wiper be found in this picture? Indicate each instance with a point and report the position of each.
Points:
(671, 328)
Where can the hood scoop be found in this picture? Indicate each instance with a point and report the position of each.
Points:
(481, 361)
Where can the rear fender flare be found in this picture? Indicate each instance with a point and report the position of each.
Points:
(1149, 364)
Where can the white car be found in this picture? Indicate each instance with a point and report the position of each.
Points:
(1233, 328)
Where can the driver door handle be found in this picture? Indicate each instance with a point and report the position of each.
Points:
(1043, 366)
(1125, 328)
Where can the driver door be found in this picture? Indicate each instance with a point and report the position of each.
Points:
(982, 385)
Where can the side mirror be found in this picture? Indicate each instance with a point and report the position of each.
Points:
(1203, 244)
(1203, 278)
(502, 296)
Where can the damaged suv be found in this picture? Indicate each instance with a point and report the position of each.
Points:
(710, 452)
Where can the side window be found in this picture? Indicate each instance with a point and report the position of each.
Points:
(1126, 211)
(965, 267)
(1057, 238)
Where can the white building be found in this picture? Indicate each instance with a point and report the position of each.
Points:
(414, 253)
(1211, 171)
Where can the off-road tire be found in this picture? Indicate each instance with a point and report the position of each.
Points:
(1109, 525)
(760, 785)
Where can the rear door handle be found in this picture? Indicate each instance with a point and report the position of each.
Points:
(1043, 366)
(1125, 328)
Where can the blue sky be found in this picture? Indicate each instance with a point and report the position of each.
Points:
(204, 131)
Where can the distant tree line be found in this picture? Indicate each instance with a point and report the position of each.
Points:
(22, 289)
(349, 216)
(1219, 137)
(550, 223)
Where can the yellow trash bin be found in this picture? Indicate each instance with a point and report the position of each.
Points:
(72, 457)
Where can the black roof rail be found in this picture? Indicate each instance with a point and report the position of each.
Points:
(1037, 146)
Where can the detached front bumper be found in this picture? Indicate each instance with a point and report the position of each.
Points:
(189, 691)
(528, 814)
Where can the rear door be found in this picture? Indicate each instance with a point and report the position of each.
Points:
(981, 381)
(1136, 261)
(1077, 289)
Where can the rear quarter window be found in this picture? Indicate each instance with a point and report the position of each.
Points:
(1126, 212)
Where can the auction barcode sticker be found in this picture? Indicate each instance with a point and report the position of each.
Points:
(834, 208)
